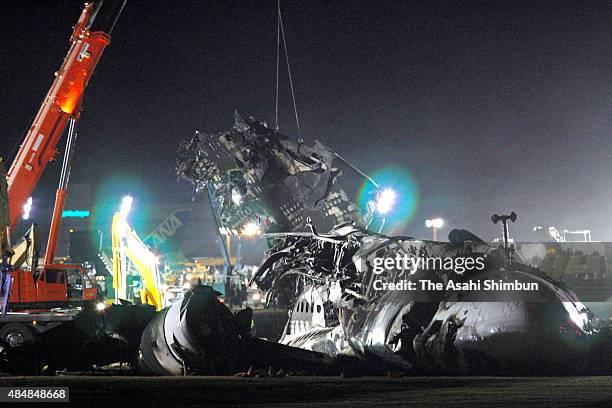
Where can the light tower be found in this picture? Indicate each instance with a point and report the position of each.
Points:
(434, 224)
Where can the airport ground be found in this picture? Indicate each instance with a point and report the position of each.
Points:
(119, 391)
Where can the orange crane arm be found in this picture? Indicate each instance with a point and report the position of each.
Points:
(90, 37)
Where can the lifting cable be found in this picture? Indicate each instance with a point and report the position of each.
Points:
(277, 62)
(280, 30)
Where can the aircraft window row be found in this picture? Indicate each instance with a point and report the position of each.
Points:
(314, 333)
(307, 307)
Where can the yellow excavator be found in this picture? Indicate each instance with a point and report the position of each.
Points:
(127, 246)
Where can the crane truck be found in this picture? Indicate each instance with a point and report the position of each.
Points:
(31, 293)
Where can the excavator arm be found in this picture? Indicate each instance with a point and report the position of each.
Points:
(26, 252)
(127, 245)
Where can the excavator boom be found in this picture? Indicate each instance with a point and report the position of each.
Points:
(127, 245)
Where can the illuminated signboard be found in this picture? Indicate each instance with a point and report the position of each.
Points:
(75, 214)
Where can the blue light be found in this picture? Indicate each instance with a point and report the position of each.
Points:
(395, 199)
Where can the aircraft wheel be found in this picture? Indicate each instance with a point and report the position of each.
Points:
(15, 334)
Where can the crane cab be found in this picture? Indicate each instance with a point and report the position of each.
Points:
(55, 285)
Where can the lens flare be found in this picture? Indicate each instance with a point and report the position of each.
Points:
(386, 201)
(394, 198)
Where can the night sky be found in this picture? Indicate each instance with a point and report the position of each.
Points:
(493, 106)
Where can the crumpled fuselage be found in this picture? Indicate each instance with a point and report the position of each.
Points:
(338, 311)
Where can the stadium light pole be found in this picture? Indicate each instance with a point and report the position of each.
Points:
(434, 224)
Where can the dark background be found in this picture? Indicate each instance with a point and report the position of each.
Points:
(492, 106)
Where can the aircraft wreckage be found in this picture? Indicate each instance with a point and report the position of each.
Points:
(343, 315)
(328, 285)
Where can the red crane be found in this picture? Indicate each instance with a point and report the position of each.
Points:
(57, 284)
(90, 37)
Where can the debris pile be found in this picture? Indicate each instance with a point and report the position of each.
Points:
(199, 335)
(196, 335)
(350, 332)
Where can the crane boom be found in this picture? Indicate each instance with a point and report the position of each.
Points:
(90, 37)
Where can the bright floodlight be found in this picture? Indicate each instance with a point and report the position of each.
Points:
(386, 200)
(126, 206)
(27, 207)
(435, 223)
(251, 229)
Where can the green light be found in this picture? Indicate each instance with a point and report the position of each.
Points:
(75, 214)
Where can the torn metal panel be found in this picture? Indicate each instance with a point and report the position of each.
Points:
(256, 174)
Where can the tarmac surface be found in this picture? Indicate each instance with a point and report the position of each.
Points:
(120, 391)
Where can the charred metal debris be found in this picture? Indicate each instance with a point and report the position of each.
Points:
(327, 283)
(245, 168)
(196, 335)
(337, 322)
